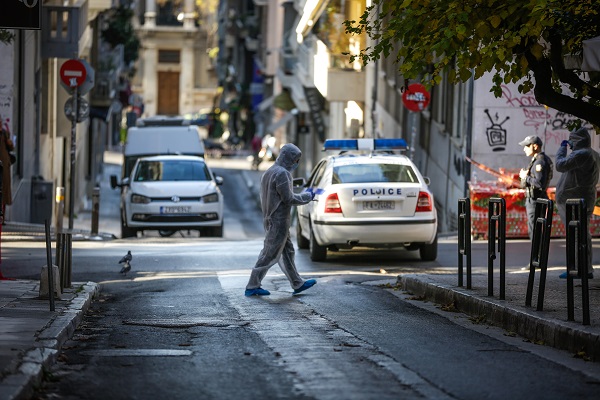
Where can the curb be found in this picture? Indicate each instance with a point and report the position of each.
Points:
(563, 335)
(48, 343)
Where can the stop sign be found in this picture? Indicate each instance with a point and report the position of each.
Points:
(416, 97)
(73, 73)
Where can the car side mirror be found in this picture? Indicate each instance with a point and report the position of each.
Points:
(297, 182)
(114, 183)
(218, 180)
(427, 180)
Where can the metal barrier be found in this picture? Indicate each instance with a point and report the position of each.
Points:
(50, 265)
(64, 246)
(60, 208)
(95, 209)
(464, 239)
(497, 222)
(577, 256)
(540, 247)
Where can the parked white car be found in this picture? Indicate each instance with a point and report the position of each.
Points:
(169, 193)
(368, 195)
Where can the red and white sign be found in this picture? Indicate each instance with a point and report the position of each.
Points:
(73, 73)
(416, 97)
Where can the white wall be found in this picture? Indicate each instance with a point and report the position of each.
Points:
(511, 118)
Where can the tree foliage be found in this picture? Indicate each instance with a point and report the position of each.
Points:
(6, 36)
(119, 30)
(521, 41)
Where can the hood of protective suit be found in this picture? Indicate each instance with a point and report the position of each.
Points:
(580, 138)
(288, 155)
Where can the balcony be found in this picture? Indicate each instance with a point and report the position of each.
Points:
(62, 28)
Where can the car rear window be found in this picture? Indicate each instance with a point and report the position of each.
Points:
(362, 173)
(172, 170)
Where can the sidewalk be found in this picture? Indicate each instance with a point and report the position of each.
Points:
(31, 335)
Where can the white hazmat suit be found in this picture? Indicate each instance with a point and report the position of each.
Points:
(580, 171)
(277, 199)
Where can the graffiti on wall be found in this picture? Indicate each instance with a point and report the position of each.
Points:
(545, 121)
(496, 135)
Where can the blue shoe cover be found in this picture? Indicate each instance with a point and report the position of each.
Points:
(564, 276)
(306, 285)
(256, 292)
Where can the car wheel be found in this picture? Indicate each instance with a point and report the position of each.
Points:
(428, 252)
(301, 241)
(165, 232)
(217, 231)
(126, 232)
(317, 252)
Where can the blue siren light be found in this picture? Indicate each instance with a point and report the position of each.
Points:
(365, 144)
(340, 144)
(389, 144)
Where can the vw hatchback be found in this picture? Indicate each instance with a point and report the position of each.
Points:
(368, 195)
(171, 193)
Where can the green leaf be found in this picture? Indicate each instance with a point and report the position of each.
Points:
(495, 21)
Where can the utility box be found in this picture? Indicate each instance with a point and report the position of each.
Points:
(42, 195)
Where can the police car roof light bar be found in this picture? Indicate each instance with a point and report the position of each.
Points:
(364, 144)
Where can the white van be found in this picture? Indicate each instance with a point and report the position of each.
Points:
(160, 140)
(155, 140)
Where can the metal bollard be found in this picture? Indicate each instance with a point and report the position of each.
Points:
(577, 256)
(95, 209)
(496, 218)
(464, 239)
(60, 207)
(64, 258)
(50, 266)
(540, 247)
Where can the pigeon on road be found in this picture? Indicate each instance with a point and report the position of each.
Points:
(126, 268)
(127, 261)
(126, 258)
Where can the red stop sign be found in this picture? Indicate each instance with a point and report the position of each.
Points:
(72, 73)
(416, 97)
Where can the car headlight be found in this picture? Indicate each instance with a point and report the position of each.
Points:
(211, 198)
(139, 199)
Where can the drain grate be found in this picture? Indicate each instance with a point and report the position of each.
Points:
(179, 323)
(137, 353)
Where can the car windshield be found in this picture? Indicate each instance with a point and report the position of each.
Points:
(362, 173)
(171, 170)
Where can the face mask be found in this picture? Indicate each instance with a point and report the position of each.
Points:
(294, 166)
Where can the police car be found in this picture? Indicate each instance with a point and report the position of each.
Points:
(368, 195)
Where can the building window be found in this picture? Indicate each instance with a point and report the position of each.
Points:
(169, 56)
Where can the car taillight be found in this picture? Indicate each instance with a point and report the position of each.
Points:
(424, 202)
(332, 204)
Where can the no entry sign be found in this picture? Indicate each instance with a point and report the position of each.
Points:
(416, 97)
(73, 73)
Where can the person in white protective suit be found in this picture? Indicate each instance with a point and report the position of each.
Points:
(277, 199)
(580, 171)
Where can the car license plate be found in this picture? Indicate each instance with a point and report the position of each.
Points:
(378, 205)
(176, 210)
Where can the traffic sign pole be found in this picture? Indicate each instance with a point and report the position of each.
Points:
(416, 99)
(73, 151)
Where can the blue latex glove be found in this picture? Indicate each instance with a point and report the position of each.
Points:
(564, 143)
(313, 195)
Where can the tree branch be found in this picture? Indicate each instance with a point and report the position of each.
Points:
(545, 93)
